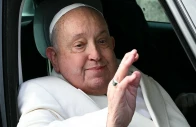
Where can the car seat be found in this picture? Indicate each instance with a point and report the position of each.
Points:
(129, 28)
(33, 65)
(126, 23)
(44, 15)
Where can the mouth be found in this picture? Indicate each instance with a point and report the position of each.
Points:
(97, 68)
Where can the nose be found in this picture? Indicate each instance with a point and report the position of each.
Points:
(94, 53)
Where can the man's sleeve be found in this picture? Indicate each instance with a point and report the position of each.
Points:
(47, 118)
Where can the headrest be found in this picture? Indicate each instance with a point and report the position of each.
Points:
(44, 15)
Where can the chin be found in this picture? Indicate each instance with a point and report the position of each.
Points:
(99, 86)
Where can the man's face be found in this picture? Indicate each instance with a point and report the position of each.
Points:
(84, 53)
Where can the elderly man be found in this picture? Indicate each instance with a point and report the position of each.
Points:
(88, 86)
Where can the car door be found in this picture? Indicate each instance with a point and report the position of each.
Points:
(9, 76)
(176, 74)
(2, 99)
(182, 14)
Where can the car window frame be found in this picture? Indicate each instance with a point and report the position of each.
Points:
(191, 25)
(181, 30)
(10, 61)
(3, 122)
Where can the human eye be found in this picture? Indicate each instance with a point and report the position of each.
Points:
(78, 47)
(104, 43)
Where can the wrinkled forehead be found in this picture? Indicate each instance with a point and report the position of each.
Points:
(79, 15)
(72, 10)
(44, 14)
(81, 22)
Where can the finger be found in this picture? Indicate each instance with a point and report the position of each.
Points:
(136, 57)
(125, 64)
(131, 82)
(123, 84)
(126, 56)
(134, 85)
(136, 82)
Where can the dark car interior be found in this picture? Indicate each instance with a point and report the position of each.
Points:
(161, 53)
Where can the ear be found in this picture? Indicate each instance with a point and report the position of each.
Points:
(51, 53)
(113, 42)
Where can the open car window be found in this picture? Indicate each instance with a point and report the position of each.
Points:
(183, 23)
(153, 11)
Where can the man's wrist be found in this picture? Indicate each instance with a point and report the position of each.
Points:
(113, 122)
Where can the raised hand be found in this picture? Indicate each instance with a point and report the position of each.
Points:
(122, 96)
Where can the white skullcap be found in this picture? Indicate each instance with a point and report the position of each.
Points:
(62, 12)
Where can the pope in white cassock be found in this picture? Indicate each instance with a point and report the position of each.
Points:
(89, 87)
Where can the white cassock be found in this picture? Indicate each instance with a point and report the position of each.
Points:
(52, 102)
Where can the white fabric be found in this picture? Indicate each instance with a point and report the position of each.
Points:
(141, 108)
(140, 104)
(102, 100)
(62, 12)
(52, 102)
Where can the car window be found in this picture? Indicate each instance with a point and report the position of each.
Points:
(153, 10)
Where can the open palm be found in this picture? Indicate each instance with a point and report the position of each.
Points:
(122, 97)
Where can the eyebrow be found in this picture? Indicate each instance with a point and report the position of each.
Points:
(103, 32)
(76, 36)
